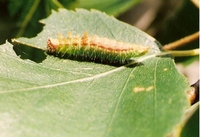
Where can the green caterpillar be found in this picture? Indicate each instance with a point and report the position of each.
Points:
(95, 48)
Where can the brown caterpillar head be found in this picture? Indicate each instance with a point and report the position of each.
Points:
(52, 45)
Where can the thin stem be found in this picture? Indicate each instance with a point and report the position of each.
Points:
(57, 3)
(28, 18)
(184, 53)
(181, 42)
(47, 9)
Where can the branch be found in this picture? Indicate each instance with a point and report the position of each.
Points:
(181, 42)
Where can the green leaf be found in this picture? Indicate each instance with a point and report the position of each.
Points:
(191, 126)
(62, 97)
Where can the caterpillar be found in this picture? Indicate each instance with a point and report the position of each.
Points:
(94, 48)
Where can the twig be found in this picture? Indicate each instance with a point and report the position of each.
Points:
(196, 3)
(183, 53)
(181, 42)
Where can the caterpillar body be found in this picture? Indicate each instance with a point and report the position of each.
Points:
(95, 48)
